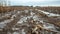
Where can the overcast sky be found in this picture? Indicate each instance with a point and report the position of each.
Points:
(35, 2)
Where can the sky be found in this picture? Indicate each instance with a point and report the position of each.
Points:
(35, 2)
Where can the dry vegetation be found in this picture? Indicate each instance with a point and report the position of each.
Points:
(11, 8)
(34, 28)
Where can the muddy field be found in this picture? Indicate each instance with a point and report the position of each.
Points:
(29, 20)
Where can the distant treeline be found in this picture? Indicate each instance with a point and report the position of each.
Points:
(11, 8)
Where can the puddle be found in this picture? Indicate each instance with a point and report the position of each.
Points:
(49, 14)
(49, 26)
(23, 31)
(25, 19)
(3, 24)
(15, 33)
(36, 18)
(15, 28)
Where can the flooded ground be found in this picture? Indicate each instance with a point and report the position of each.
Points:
(29, 22)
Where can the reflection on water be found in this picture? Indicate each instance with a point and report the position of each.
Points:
(36, 18)
(23, 31)
(50, 14)
(15, 33)
(3, 24)
(29, 21)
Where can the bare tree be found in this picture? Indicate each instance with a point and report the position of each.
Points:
(4, 3)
